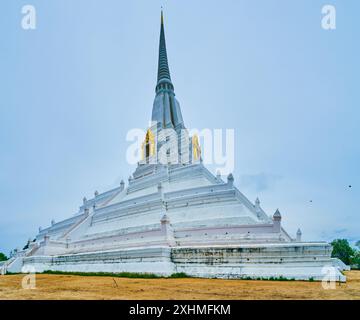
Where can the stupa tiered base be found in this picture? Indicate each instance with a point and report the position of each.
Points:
(177, 219)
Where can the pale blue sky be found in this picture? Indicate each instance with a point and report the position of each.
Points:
(72, 88)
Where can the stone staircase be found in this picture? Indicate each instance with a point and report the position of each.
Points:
(15, 263)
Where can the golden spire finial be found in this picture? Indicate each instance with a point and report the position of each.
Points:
(162, 16)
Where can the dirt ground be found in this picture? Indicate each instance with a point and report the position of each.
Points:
(88, 287)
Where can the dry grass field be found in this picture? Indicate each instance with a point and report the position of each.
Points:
(92, 287)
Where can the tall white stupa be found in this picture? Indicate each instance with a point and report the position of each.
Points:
(175, 216)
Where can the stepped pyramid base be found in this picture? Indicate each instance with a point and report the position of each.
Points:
(303, 261)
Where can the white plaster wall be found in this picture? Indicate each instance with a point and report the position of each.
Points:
(300, 262)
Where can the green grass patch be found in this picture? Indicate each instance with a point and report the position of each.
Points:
(281, 278)
(11, 273)
(180, 275)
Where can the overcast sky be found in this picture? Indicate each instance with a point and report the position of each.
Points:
(73, 88)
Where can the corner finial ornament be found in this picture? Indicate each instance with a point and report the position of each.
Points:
(230, 179)
(277, 221)
(218, 175)
(257, 207)
(165, 219)
(298, 235)
(277, 215)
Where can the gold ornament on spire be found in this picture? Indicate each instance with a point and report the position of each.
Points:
(196, 147)
(148, 146)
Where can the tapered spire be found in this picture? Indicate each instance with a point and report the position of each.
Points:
(163, 66)
(166, 111)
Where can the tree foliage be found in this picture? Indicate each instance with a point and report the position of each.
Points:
(342, 250)
(358, 244)
(355, 260)
(3, 257)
